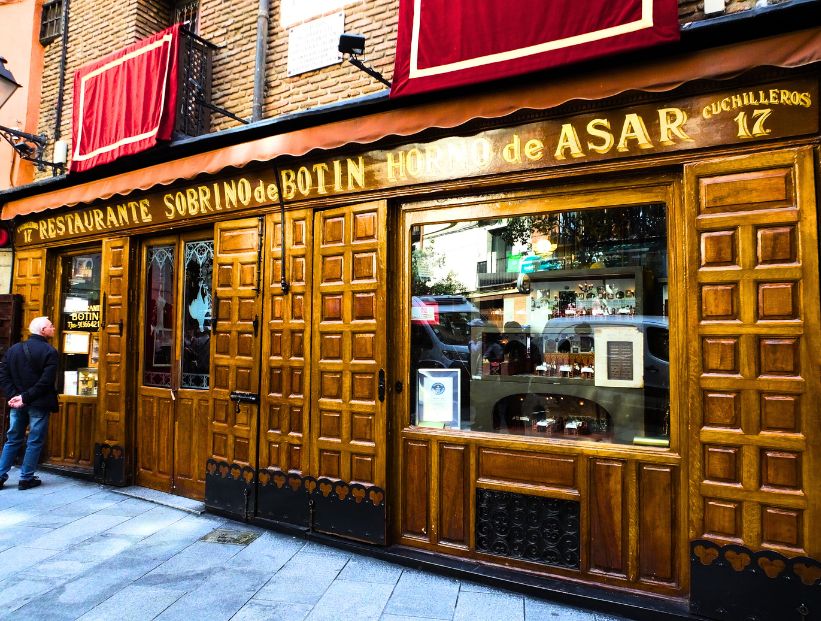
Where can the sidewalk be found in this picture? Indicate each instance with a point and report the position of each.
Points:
(76, 550)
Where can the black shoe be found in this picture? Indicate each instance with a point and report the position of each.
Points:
(3, 480)
(28, 483)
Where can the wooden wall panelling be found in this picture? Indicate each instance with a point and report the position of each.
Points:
(658, 528)
(113, 382)
(29, 280)
(348, 427)
(753, 241)
(235, 354)
(416, 489)
(608, 539)
(286, 344)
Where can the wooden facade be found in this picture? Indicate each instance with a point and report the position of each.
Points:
(310, 361)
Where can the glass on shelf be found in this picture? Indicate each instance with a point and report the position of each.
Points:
(87, 382)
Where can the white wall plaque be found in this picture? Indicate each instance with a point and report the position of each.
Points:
(315, 44)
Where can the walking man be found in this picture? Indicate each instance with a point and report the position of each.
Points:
(27, 375)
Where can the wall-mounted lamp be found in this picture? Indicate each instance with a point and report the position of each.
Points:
(353, 45)
(28, 146)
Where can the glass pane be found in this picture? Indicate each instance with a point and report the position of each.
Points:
(196, 354)
(159, 317)
(79, 323)
(548, 325)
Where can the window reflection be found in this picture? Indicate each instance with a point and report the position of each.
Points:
(546, 325)
(196, 356)
(159, 312)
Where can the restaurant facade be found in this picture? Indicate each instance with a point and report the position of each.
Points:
(570, 329)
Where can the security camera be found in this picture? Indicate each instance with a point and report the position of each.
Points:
(353, 44)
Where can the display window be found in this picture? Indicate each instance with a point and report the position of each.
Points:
(543, 324)
(79, 322)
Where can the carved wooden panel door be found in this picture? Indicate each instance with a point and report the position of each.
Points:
(232, 434)
(756, 342)
(348, 384)
(174, 394)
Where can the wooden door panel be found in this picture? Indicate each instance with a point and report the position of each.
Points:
(111, 422)
(29, 281)
(235, 357)
(285, 408)
(348, 422)
(608, 532)
(754, 241)
(155, 436)
(192, 411)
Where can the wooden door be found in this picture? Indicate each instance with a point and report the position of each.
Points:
(232, 434)
(174, 395)
(286, 346)
(348, 426)
(158, 348)
(756, 346)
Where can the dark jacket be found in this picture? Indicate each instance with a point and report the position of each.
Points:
(34, 380)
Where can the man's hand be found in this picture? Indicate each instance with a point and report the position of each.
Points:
(16, 402)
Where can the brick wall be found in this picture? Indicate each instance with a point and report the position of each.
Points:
(97, 28)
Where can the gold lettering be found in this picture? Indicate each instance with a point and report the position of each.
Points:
(132, 205)
(706, 112)
(230, 189)
(272, 192)
(773, 96)
(205, 199)
(217, 197)
(27, 235)
(144, 205)
(69, 225)
(244, 191)
(568, 139)
(634, 129)
(413, 162)
(191, 202)
(725, 104)
(98, 219)
(736, 101)
(50, 227)
(259, 192)
(671, 123)
(605, 134)
(88, 221)
(303, 181)
(319, 170)
(168, 201)
(122, 213)
(287, 183)
(534, 149)
(805, 100)
(110, 217)
(43, 229)
(512, 152)
(78, 224)
(433, 159)
(338, 176)
(61, 225)
(483, 148)
(356, 173)
(395, 165)
(457, 155)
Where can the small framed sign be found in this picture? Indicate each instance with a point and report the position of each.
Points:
(438, 398)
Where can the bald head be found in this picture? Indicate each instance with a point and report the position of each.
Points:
(41, 326)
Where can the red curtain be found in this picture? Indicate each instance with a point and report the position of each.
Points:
(125, 102)
(447, 43)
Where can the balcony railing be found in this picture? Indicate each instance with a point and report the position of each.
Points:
(499, 277)
(194, 89)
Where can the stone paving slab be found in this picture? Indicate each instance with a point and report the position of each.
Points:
(73, 549)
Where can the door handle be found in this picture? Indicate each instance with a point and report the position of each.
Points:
(381, 385)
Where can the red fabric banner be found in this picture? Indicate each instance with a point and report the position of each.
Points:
(447, 43)
(125, 102)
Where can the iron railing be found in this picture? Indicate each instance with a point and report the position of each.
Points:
(194, 88)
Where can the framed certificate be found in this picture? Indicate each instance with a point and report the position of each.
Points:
(75, 342)
(438, 398)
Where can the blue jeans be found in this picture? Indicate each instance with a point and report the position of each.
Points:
(36, 419)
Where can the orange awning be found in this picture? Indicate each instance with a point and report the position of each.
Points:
(786, 50)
